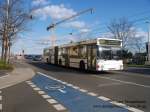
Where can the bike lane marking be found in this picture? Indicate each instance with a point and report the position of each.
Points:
(75, 100)
(48, 98)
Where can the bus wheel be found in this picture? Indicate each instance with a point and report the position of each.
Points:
(82, 65)
(60, 62)
(47, 60)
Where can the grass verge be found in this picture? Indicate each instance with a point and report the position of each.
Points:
(5, 66)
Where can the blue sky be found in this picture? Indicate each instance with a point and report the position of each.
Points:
(94, 24)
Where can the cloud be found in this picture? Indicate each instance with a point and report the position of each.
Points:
(75, 24)
(85, 30)
(39, 2)
(141, 33)
(54, 11)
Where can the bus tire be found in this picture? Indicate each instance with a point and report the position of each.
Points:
(60, 62)
(82, 65)
(46, 60)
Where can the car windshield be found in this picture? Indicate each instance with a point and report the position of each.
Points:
(109, 53)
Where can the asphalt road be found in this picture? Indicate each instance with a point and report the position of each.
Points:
(124, 87)
(22, 98)
(141, 70)
(121, 86)
(3, 73)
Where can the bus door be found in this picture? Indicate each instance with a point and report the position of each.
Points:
(91, 57)
(56, 55)
(66, 56)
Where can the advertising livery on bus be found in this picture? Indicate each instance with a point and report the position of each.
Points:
(101, 54)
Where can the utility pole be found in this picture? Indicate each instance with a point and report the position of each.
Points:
(148, 42)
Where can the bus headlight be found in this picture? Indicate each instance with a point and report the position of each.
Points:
(97, 66)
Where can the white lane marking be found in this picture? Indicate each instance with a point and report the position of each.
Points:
(46, 96)
(83, 90)
(0, 98)
(52, 101)
(108, 84)
(1, 107)
(4, 76)
(69, 85)
(28, 81)
(37, 89)
(64, 82)
(118, 104)
(57, 80)
(33, 85)
(60, 81)
(104, 98)
(52, 78)
(75, 87)
(59, 107)
(45, 75)
(92, 94)
(134, 109)
(41, 92)
(62, 91)
(125, 82)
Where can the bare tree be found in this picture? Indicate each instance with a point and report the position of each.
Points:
(13, 18)
(122, 29)
(138, 44)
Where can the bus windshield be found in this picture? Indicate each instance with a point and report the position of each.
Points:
(109, 53)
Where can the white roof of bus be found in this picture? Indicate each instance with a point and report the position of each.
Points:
(91, 41)
(109, 39)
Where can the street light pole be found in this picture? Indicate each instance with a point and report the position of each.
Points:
(148, 30)
(148, 42)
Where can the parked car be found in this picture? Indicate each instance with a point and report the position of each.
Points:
(37, 58)
(28, 57)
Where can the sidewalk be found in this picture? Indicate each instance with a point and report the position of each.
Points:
(18, 75)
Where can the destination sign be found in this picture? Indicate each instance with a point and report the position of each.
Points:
(110, 42)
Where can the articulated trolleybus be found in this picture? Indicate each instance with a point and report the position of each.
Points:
(101, 54)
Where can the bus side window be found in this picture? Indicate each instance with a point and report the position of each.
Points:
(73, 51)
(83, 52)
(60, 51)
(64, 52)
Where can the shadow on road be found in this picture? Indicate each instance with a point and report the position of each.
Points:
(56, 68)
